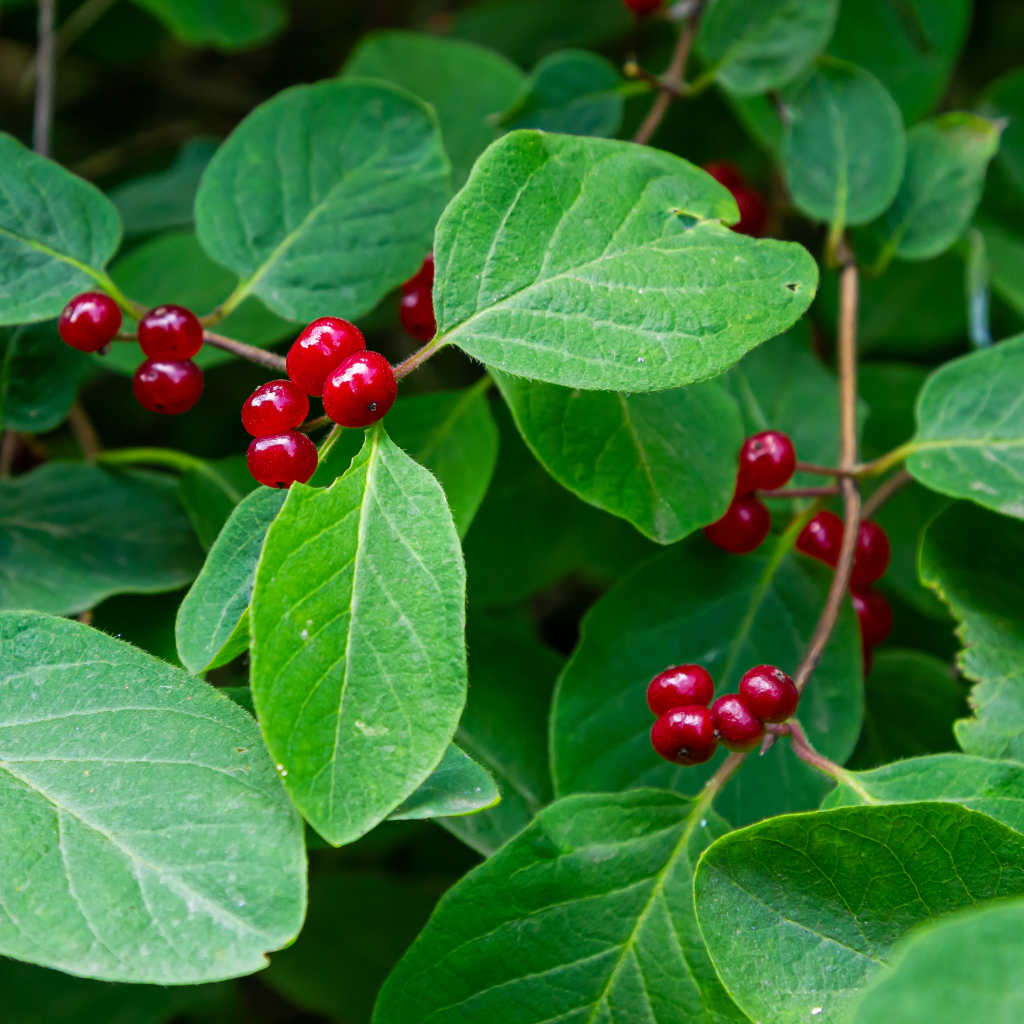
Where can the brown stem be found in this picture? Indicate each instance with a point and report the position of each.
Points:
(8, 452)
(244, 351)
(634, 70)
(670, 84)
(84, 432)
(419, 357)
(800, 492)
(802, 748)
(812, 467)
(885, 491)
(46, 66)
(311, 426)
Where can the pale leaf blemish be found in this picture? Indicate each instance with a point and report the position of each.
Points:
(371, 730)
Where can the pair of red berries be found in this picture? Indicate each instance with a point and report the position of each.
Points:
(753, 212)
(688, 732)
(822, 538)
(766, 461)
(416, 307)
(329, 359)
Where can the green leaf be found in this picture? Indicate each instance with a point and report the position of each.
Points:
(844, 145)
(574, 91)
(931, 981)
(753, 49)
(293, 196)
(215, 609)
(592, 263)
(227, 24)
(664, 462)
(209, 492)
(457, 786)
(586, 915)
(504, 725)
(970, 429)
(73, 534)
(696, 603)
(965, 557)
(146, 835)
(911, 701)
(1005, 252)
(39, 378)
(466, 85)
(797, 912)
(942, 184)
(995, 788)
(173, 267)
(911, 46)
(358, 652)
(1005, 99)
(57, 233)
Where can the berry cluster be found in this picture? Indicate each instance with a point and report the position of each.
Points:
(766, 461)
(822, 538)
(416, 308)
(687, 731)
(753, 212)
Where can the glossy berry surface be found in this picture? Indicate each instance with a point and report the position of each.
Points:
(822, 537)
(685, 735)
(273, 408)
(678, 687)
(320, 347)
(874, 613)
(280, 460)
(89, 321)
(736, 725)
(416, 311)
(168, 386)
(767, 460)
(769, 693)
(170, 332)
(743, 527)
(753, 212)
(872, 556)
(361, 390)
(643, 7)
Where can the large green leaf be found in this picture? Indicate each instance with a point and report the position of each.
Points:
(39, 378)
(968, 557)
(457, 786)
(324, 197)
(751, 49)
(995, 788)
(215, 609)
(798, 911)
(970, 429)
(358, 651)
(665, 462)
(229, 24)
(844, 146)
(145, 834)
(586, 915)
(698, 604)
(72, 534)
(942, 184)
(57, 233)
(931, 981)
(592, 263)
(467, 85)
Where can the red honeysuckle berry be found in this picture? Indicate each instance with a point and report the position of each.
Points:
(685, 735)
(416, 311)
(273, 408)
(423, 278)
(822, 537)
(753, 212)
(360, 390)
(168, 386)
(872, 556)
(279, 460)
(170, 332)
(874, 613)
(321, 346)
(769, 693)
(678, 687)
(767, 460)
(743, 527)
(89, 321)
(736, 725)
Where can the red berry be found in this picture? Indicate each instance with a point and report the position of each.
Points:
(89, 321)
(822, 537)
(685, 735)
(278, 460)
(170, 386)
(642, 7)
(753, 212)
(874, 614)
(736, 725)
(273, 408)
(360, 390)
(745, 524)
(767, 460)
(872, 557)
(321, 346)
(769, 693)
(423, 278)
(416, 311)
(170, 332)
(678, 687)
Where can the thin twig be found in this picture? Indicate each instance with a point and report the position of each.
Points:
(84, 432)
(800, 492)
(312, 426)
(812, 467)
(419, 357)
(8, 451)
(634, 70)
(42, 118)
(244, 351)
(671, 82)
(78, 22)
(885, 491)
(804, 749)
